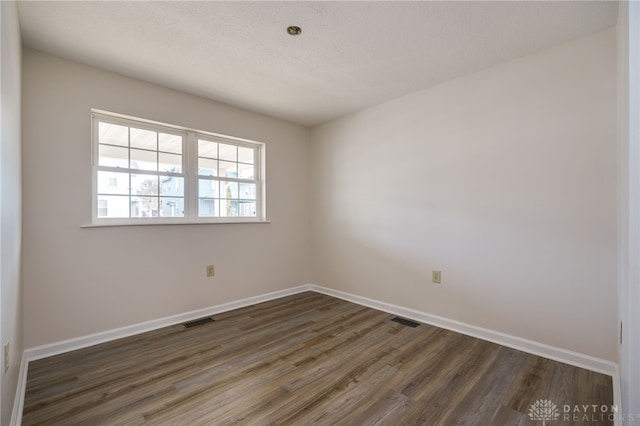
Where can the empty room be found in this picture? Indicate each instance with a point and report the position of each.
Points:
(318, 212)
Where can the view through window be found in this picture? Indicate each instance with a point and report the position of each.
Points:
(149, 172)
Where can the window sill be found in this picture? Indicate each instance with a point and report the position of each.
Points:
(235, 222)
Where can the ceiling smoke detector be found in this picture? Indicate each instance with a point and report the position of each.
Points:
(294, 30)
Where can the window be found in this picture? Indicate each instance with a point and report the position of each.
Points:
(148, 172)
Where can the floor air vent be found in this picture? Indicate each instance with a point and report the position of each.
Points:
(405, 321)
(197, 322)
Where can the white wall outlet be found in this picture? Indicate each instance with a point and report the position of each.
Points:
(6, 356)
(209, 270)
(436, 277)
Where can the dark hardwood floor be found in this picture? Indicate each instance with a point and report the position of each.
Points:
(301, 360)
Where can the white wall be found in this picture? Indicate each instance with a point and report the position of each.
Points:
(81, 281)
(504, 179)
(629, 205)
(10, 201)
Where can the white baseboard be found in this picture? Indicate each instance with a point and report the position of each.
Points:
(529, 346)
(16, 414)
(56, 348)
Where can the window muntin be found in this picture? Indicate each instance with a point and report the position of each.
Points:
(141, 174)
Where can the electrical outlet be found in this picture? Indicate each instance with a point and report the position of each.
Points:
(209, 270)
(6, 356)
(436, 277)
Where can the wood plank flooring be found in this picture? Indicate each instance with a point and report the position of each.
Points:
(301, 360)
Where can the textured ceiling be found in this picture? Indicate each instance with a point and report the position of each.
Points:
(350, 55)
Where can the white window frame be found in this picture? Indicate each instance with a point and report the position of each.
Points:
(189, 172)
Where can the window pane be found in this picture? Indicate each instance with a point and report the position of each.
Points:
(144, 185)
(207, 167)
(172, 186)
(144, 139)
(245, 171)
(229, 189)
(144, 206)
(247, 191)
(113, 134)
(144, 160)
(228, 152)
(247, 208)
(102, 208)
(113, 183)
(227, 169)
(113, 206)
(207, 149)
(228, 208)
(170, 163)
(170, 143)
(245, 155)
(208, 208)
(208, 188)
(171, 207)
(112, 156)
